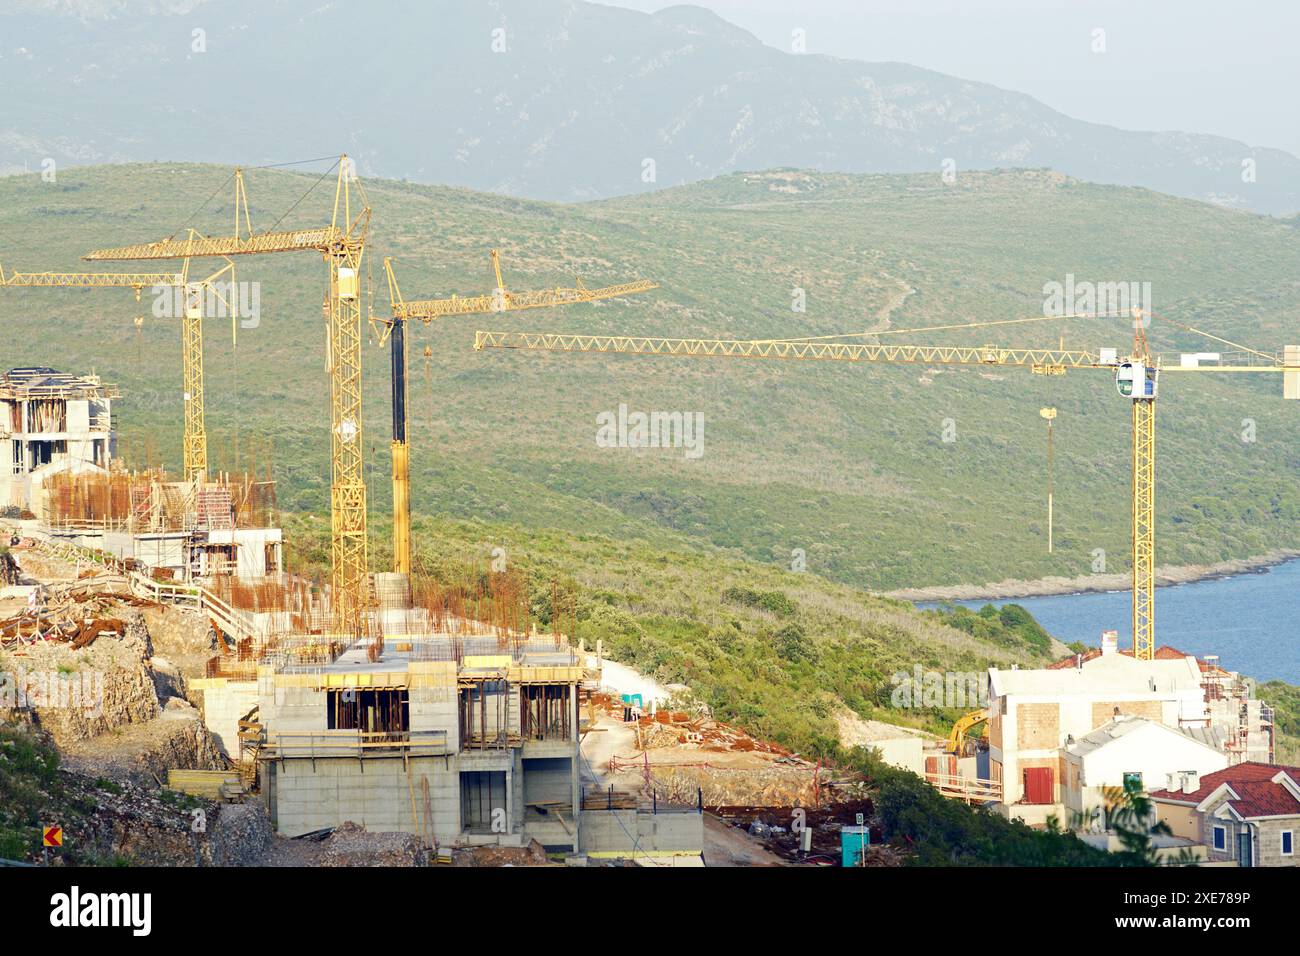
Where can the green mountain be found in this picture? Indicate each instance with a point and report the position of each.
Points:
(550, 99)
(847, 464)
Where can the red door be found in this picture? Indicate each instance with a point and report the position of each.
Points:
(1038, 785)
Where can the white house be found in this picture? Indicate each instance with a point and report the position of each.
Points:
(1133, 752)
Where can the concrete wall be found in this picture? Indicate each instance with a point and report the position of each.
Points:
(906, 752)
(549, 780)
(162, 551)
(618, 832)
(377, 793)
(251, 545)
(505, 796)
(224, 703)
(433, 707)
(290, 708)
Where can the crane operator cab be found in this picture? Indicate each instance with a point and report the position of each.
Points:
(1135, 380)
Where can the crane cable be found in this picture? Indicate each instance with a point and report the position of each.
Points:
(1216, 338)
(304, 195)
(300, 162)
(938, 328)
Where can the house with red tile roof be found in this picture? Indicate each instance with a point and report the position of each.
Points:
(1248, 813)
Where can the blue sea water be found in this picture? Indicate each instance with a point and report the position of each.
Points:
(1252, 621)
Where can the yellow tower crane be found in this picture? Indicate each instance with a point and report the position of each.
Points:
(1136, 379)
(195, 450)
(426, 310)
(342, 245)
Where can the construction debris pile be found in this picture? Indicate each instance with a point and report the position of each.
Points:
(351, 845)
(780, 831)
(531, 855)
(688, 759)
(76, 614)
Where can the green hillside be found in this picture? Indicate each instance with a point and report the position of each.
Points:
(846, 463)
(778, 652)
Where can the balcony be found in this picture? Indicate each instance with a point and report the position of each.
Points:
(326, 744)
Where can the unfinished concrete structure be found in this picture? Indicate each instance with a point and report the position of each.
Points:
(461, 732)
(51, 423)
(1246, 722)
(193, 530)
(60, 465)
(1231, 705)
(461, 740)
(1034, 713)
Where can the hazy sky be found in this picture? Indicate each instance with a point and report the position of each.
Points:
(1230, 67)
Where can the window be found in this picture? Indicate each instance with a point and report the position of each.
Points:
(1132, 782)
(483, 800)
(1288, 843)
(1220, 838)
(369, 711)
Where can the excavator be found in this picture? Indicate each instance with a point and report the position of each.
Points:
(961, 729)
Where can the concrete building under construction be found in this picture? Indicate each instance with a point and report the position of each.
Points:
(1042, 721)
(60, 469)
(189, 529)
(51, 423)
(463, 732)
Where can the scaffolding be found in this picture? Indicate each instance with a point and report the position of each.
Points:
(151, 502)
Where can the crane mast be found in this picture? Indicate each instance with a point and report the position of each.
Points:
(195, 439)
(427, 310)
(342, 245)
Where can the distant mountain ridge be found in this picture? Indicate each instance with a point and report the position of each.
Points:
(576, 101)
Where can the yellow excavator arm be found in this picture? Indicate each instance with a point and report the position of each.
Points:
(964, 725)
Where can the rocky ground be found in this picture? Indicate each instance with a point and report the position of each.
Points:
(116, 708)
(106, 822)
(100, 678)
(88, 734)
(688, 757)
